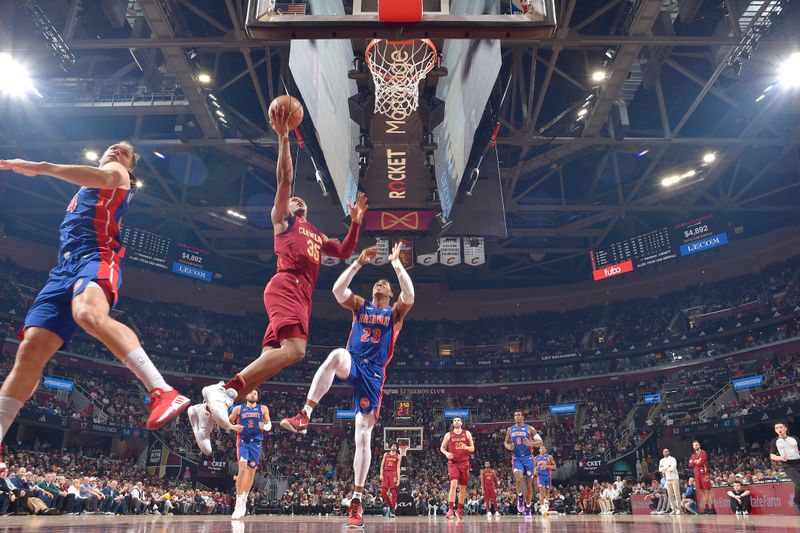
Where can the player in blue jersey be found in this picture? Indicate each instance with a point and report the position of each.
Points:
(250, 420)
(545, 465)
(376, 325)
(84, 285)
(520, 439)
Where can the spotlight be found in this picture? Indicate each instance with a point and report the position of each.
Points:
(220, 114)
(139, 184)
(91, 155)
(710, 157)
(643, 153)
(159, 155)
(203, 78)
(790, 71)
(670, 181)
(582, 112)
(212, 97)
(598, 75)
(236, 214)
(14, 78)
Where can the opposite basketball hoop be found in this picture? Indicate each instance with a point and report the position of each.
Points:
(397, 68)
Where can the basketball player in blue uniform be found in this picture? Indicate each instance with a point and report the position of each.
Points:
(545, 464)
(520, 439)
(376, 325)
(84, 285)
(251, 420)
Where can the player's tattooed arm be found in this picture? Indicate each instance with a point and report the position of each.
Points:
(507, 444)
(341, 287)
(443, 447)
(406, 298)
(266, 425)
(279, 120)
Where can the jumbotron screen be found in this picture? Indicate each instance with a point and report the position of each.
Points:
(685, 238)
(160, 253)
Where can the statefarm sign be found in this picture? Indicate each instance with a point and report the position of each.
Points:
(613, 270)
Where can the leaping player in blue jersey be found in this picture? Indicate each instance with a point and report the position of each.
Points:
(362, 365)
(520, 439)
(84, 286)
(251, 420)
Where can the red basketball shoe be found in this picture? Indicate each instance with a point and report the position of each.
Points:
(164, 406)
(297, 424)
(354, 514)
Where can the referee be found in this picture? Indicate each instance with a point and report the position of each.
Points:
(784, 450)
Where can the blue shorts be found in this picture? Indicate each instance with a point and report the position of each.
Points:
(52, 308)
(545, 481)
(367, 382)
(524, 465)
(249, 451)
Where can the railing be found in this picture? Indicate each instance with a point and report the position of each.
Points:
(709, 407)
(98, 415)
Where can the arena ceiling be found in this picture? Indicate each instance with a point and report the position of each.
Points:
(689, 74)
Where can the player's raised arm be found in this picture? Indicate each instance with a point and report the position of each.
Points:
(279, 120)
(341, 287)
(114, 170)
(406, 298)
(345, 248)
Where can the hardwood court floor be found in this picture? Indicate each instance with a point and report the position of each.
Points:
(297, 524)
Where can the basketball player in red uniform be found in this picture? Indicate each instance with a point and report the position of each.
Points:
(287, 297)
(390, 479)
(489, 488)
(456, 446)
(699, 462)
(84, 286)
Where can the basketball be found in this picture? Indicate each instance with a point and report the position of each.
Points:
(294, 106)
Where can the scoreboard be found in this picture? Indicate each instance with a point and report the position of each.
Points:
(160, 253)
(686, 238)
(403, 410)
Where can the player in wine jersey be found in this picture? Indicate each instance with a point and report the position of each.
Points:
(84, 286)
(390, 479)
(299, 247)
(376, 326)
(489, 489)
(250, 420)
(702, 476)
(544, 464)
(520, 439)
(456, 446)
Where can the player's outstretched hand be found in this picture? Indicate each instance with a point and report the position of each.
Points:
(398, 247)
(237, 428)
(279, 120)
(367, 255)
(357, 211)
(21, 166)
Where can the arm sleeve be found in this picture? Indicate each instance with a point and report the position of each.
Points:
(344, 249)
(406, 287)
(773, 447)
(341, 287)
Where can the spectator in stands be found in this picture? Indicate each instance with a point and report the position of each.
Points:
(740, 499)
(8, 498)
(114, 500)
(622, 501)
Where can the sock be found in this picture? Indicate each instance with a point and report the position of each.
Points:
(356, 495)
(143, 368)
(519, 495)
(9, 408)
(307, 409)
(236, 383)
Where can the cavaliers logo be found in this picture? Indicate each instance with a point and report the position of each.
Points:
(364, 402)
(409, 221)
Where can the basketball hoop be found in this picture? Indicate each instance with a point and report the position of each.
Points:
(397, 68)
(403, 449)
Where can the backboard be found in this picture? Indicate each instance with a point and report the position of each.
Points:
(271, 20)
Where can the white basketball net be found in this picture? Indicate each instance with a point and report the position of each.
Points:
(397, 67)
